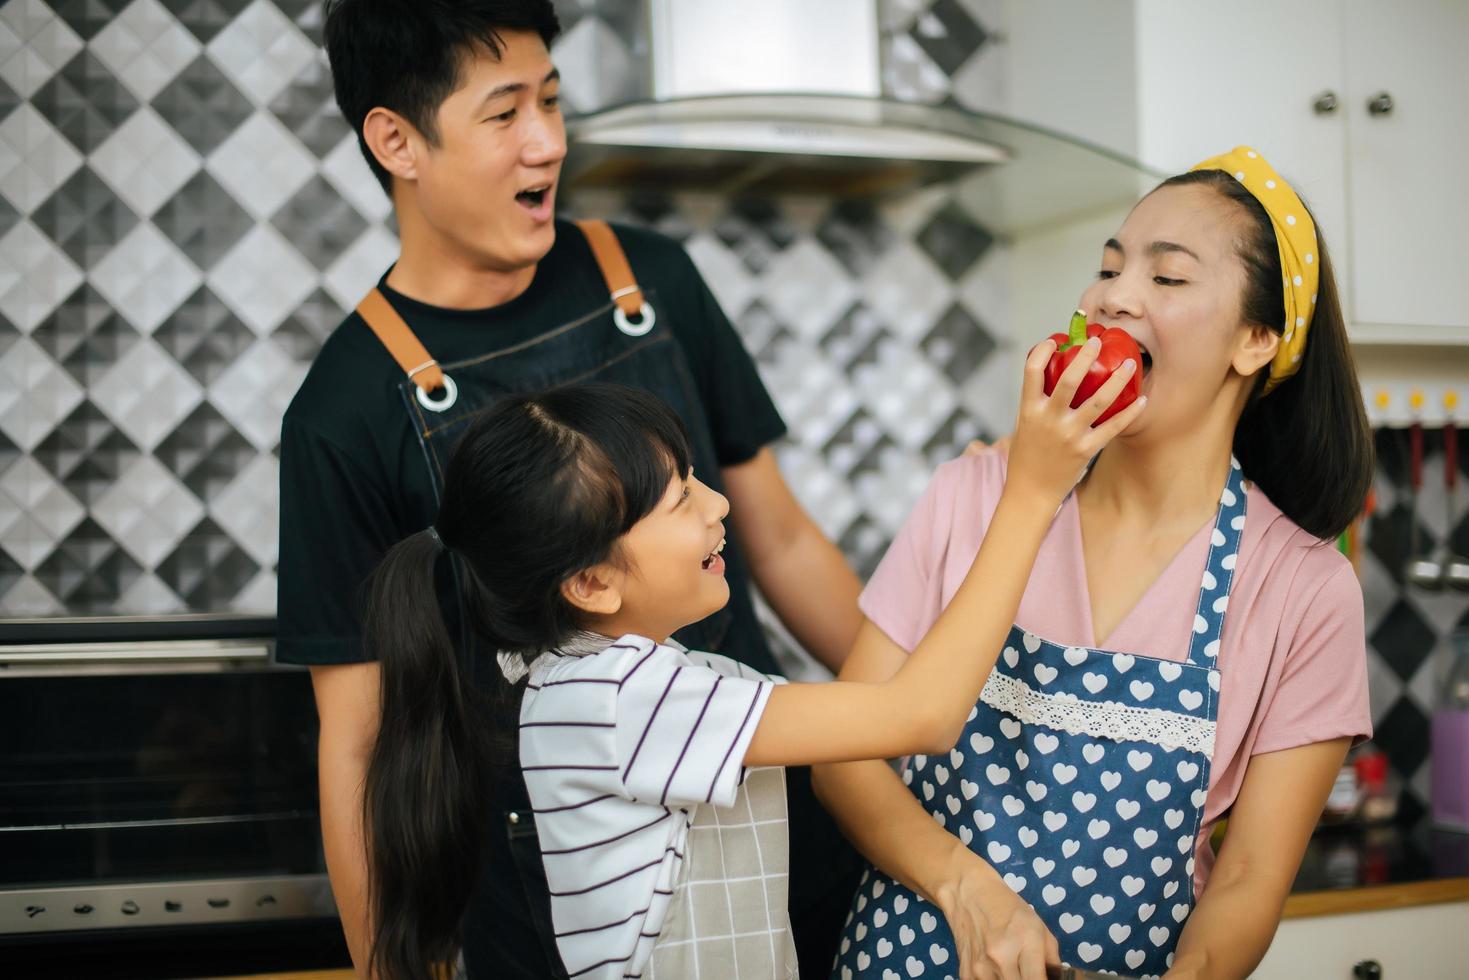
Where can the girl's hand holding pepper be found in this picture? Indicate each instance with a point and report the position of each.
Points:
(1053, 441)
(1117, 346)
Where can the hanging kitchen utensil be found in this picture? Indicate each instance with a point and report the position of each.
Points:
(1456, 566)
(1421, 570)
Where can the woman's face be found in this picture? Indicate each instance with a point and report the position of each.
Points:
(1173, 279)
(670, 572)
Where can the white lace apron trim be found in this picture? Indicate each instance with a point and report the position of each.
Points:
(1099, 719)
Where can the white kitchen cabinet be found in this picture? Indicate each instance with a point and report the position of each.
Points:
(1171, 83)
(1210, 77)
(1427, 942)
(1409, 200)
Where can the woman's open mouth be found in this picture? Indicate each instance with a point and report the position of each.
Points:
(712, 562)
(1147, 365)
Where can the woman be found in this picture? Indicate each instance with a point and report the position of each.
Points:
(574, 519)
(1071, 820)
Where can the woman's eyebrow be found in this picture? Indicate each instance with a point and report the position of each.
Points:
(1162, 248)
(1156, 248)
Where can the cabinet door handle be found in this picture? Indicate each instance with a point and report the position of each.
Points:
(1380, 104)
(1325, 103)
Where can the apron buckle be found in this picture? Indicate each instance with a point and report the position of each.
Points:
(646, 319)
(444, 402)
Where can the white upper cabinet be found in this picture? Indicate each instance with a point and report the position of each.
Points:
(1258, 72)
(1407, 123)
(1362, 106)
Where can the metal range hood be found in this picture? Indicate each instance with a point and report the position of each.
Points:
(776, 96)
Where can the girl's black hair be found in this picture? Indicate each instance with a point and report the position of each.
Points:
(406, 55)
(539, 488)
(1308, 443)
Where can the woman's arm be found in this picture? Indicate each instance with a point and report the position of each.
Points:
(1271, 821)
(993, 929)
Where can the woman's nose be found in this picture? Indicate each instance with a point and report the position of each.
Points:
(1117, 297)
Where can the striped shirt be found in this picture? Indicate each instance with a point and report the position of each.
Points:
(619, 749)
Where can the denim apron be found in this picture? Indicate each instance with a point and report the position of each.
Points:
(1081, 777)
(624, 340)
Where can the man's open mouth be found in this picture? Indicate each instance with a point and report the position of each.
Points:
(534, 197)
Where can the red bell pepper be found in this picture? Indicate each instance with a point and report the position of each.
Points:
(1117, 346)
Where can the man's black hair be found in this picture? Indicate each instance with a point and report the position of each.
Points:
(406, 55)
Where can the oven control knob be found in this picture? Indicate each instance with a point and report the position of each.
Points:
(34, 910)
(264, 900)
(130, 907)
(82, 909)
(170, 905)
(1367, 970)
(219, 903)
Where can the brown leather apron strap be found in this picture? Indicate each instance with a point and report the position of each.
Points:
(400, 341)
(424, 371)
(613, 261)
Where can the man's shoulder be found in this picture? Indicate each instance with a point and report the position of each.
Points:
(352, 370)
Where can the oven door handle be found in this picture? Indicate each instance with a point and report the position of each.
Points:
(170, 657)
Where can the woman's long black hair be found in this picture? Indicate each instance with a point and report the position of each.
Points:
(539, 488)
(1308, 443)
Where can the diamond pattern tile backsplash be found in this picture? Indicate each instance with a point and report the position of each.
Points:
(184, 215)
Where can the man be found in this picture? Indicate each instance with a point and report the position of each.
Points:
(454, 104)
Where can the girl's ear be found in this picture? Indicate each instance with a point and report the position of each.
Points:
(1256, 349)
(596, 590)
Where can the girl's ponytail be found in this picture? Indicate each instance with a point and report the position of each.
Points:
(426, 791)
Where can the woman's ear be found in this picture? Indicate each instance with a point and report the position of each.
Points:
(393, 141)
(1257, 348)
(596, 590)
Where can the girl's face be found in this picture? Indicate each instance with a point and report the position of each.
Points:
(1173, 279)
(669, 572)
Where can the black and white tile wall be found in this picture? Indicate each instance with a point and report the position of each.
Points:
(184, 216)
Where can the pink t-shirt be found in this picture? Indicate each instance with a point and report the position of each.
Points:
(1293, 653)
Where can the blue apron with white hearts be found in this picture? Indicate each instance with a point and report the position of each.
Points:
(1081, 777)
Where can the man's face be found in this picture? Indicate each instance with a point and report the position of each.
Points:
(489, 186)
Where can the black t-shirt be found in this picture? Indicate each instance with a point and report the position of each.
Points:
(354, 480)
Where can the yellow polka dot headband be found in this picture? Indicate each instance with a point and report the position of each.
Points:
(1295, 233)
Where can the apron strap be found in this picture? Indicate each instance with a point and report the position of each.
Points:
(424, 371)
(1214, 592)
(613, 262)
(401, 342)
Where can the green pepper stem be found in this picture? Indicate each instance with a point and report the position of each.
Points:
(1076, 331)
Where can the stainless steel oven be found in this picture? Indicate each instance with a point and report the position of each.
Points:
(154, 774)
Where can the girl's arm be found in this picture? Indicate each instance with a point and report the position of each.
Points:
(923, 707)
(1271, 821)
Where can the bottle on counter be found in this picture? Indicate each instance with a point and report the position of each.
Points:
(1379, 797)
(1344, 803)
(1450, 748)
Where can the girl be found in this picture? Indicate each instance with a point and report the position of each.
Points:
(574, 519)
(1125, 717)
